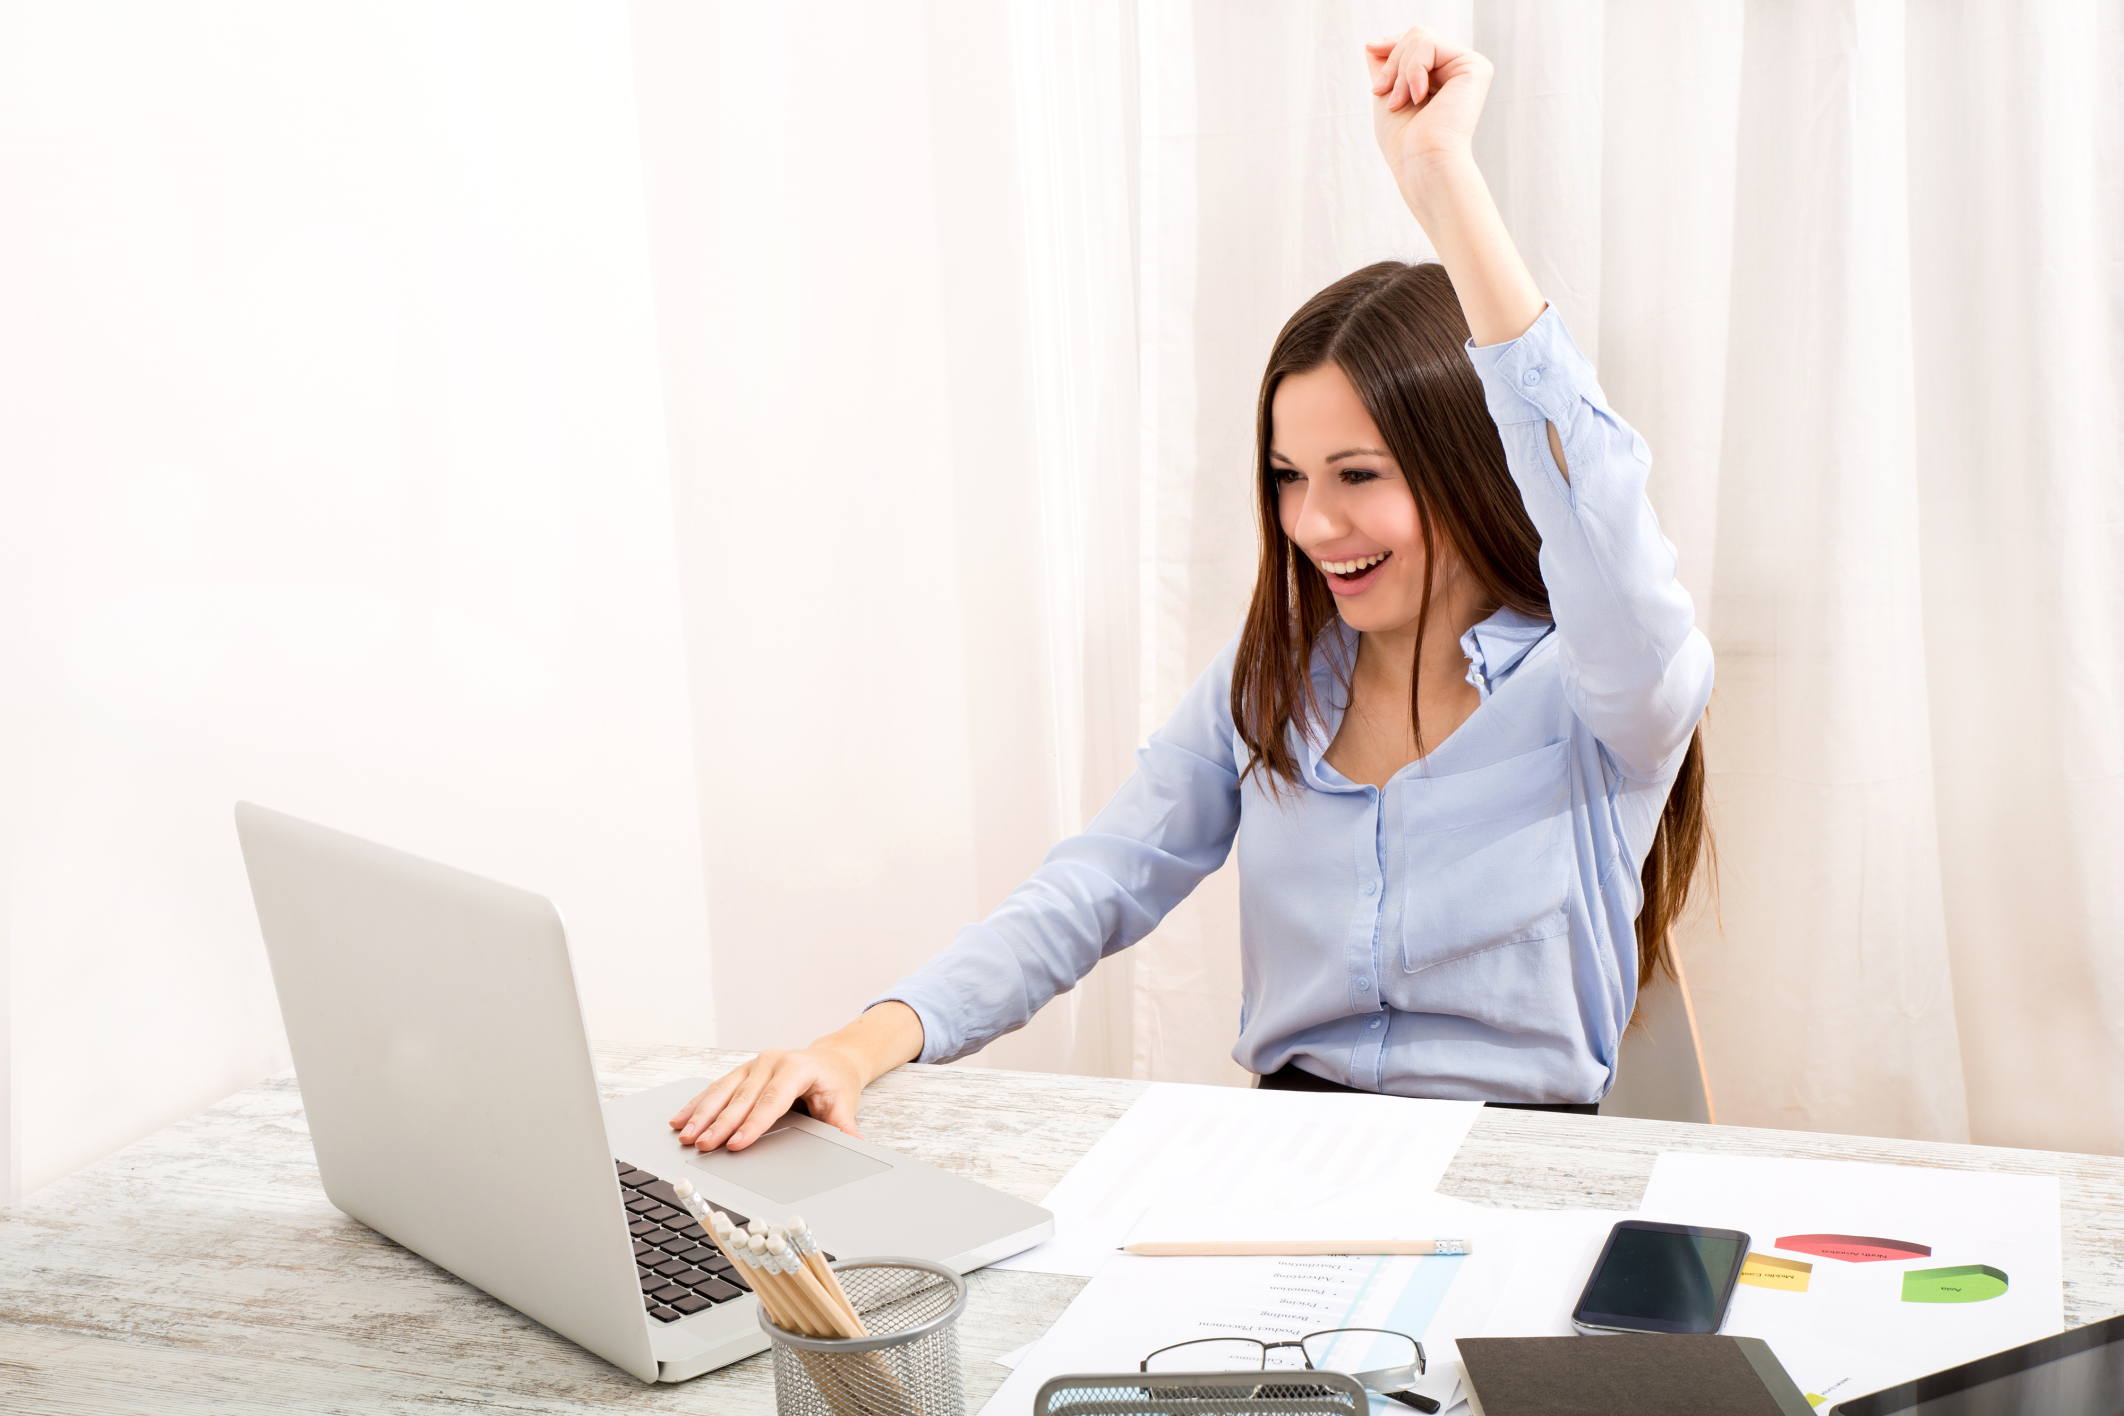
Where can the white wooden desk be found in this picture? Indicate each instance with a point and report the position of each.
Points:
(202, 1270)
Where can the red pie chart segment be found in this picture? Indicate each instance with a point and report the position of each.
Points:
(1854, 1248)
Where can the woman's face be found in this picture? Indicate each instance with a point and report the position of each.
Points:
(1343, 501)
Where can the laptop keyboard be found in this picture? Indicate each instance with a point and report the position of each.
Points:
(681, 1270)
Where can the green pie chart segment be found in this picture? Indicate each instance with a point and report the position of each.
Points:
(1970, 1283)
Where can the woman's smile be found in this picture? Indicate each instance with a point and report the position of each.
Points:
(1355, 575)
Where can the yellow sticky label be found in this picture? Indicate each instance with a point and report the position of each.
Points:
(1785, 1275)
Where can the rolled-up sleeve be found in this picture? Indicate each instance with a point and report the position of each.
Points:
(1635, 668)
(1170, 824)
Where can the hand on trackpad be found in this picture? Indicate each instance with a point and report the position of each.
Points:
(787, 1165)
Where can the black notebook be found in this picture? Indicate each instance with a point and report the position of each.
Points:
(1645, 1374)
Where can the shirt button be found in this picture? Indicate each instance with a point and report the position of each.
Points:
(1375, 1022)
(1371, 887)
(1531, 377)
(1363, 983)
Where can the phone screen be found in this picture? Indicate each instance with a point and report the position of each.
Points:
(1671, 1282)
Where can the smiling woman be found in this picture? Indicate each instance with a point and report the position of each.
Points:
(1454, 742)
(1413, 513)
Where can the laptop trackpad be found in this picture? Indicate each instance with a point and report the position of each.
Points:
(788, 1164)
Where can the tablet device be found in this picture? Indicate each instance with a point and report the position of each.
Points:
(2078, 1370)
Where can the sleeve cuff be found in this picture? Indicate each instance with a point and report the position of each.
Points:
(1536, 377)
(939, 1043)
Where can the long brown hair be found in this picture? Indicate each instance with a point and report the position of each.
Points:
(1397, 332)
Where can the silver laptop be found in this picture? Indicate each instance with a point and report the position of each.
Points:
(434, 1023)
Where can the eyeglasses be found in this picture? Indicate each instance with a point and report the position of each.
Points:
(1376, 1358)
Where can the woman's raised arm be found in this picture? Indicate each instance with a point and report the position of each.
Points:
(1430, 94)
(1636, 669)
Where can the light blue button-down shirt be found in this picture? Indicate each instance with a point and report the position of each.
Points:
(1465, 931)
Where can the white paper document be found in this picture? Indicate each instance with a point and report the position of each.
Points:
(1251, 1210)
(1135, 1305)
(1919, 1269)
(1181, 1144)
(1827, 1373)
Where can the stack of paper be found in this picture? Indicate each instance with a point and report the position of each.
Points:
(1188, 1145)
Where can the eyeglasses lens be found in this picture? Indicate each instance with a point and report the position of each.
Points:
(1360, 1350)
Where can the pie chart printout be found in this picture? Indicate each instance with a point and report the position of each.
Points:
(1855, 1248)
(1967, 1283)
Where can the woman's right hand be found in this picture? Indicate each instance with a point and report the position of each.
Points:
(738, 1107)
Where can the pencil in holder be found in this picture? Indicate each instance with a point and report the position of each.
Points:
(907, 1366)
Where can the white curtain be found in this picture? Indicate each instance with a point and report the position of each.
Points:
(1848, 267)
(335, 344)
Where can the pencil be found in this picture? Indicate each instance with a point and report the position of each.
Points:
(807, 1248)
(1291, 1248)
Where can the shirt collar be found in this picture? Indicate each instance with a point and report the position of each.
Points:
(1495, 647)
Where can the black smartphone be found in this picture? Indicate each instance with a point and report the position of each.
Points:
(1661, 1278)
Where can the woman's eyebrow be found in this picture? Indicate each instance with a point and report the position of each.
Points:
(1275, 456)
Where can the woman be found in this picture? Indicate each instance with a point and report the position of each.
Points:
(1456, 739)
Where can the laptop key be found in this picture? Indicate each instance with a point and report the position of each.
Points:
(641, 1206)
(643, 1228)
(718, 1291)
(689, 1278)
(642, 1250)
(661, 1191)
(652, 1282)
(671, 1266)
(738, 1278)
(656, 1234)
(697, 1256)
(668, 1292)
(666, 1315)
(690, 1305)
(661, 1213)
(695, 1232)
(717, 1265)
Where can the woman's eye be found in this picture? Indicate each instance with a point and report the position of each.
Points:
(1357, 476)
(1287, 475)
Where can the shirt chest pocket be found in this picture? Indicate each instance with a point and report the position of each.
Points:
(1489, 857)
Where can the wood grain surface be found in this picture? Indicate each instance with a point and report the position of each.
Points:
(202, 1269)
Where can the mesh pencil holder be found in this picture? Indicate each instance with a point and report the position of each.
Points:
(908, 1366)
